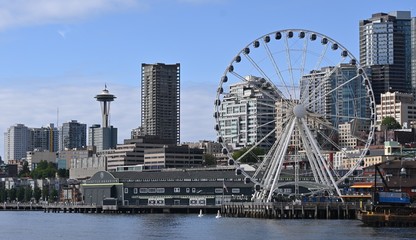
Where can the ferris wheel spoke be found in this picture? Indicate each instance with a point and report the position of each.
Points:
(305, 50)
(277, 70)
(255, 145)
(279, 152)
(333, 90)
(348, 117)
(321, 160)
(332, 142)
(320, 85)
(321, 57)
(290, 68)
(280, 157)
(313, 161)
(266, 159)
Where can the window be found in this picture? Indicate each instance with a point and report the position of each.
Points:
(126, 190)
(218, 190)
(235, 190)
(160, 190)
(135, 190)
(193, 190)
(187, 190)
(177, 190)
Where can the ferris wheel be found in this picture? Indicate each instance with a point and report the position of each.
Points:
(302, 100)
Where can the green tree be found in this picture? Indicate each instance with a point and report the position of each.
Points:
(25, 172)
(28, 194)
(44, 170)
(45, 193)
(251, 157)
(390, 123)
(21, 194)
(3, 194)
(53, 196)
(37, 193)
(210, 160)
(63, 173)
(12, 194)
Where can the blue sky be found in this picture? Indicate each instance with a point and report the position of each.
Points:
(60, 54)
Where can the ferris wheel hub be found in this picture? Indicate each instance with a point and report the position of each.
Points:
(299, 111)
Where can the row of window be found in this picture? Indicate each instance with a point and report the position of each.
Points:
(183, 180)
(177, 190)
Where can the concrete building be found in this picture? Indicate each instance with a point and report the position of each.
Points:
(70, 154)
(209, 147)
(173, 157)
(400, 106)
(17, 141)
(247, 114)
(73, 135)
(33, 158)
(86, 167)
(131, 153)
(387, 47)
(102, 138)
(160, 101)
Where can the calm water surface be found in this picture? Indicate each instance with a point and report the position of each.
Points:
(48, 226)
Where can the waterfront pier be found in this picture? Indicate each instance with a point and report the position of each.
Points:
(288, 210)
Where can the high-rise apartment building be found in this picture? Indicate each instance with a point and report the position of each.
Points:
(45, 138)
(387, 48)
(20, 139)
(160, 101)
(73, 135)
(247, 115)
(343, 108)
(17, 142)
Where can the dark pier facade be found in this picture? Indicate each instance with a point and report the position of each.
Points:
(285, 210)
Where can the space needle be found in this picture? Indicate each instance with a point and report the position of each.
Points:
(105, 98)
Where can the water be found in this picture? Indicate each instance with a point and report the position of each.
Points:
(48, 226)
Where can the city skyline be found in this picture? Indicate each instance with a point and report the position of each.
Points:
(58, 55)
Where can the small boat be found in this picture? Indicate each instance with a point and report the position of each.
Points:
(218, 214)
(200, 213)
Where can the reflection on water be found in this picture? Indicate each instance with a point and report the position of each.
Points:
(45, 226)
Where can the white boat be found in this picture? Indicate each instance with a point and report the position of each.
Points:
(200, 213)
(218, 214)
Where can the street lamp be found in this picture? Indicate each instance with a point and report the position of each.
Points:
(402, 174)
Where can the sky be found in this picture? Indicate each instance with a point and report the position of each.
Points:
(55, 56)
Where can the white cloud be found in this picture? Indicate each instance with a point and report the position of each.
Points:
(32, 12)
(197, 108)
(63, 33)
(36, 107)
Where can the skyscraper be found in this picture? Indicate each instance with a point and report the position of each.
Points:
(73, 135)
(387, 42)
(19, 139)
(17, 142)
(45, 138)
(160, 103)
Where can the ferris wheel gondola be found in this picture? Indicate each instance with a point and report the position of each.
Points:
(302, 98)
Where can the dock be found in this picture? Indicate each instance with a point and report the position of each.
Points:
(288, 210)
